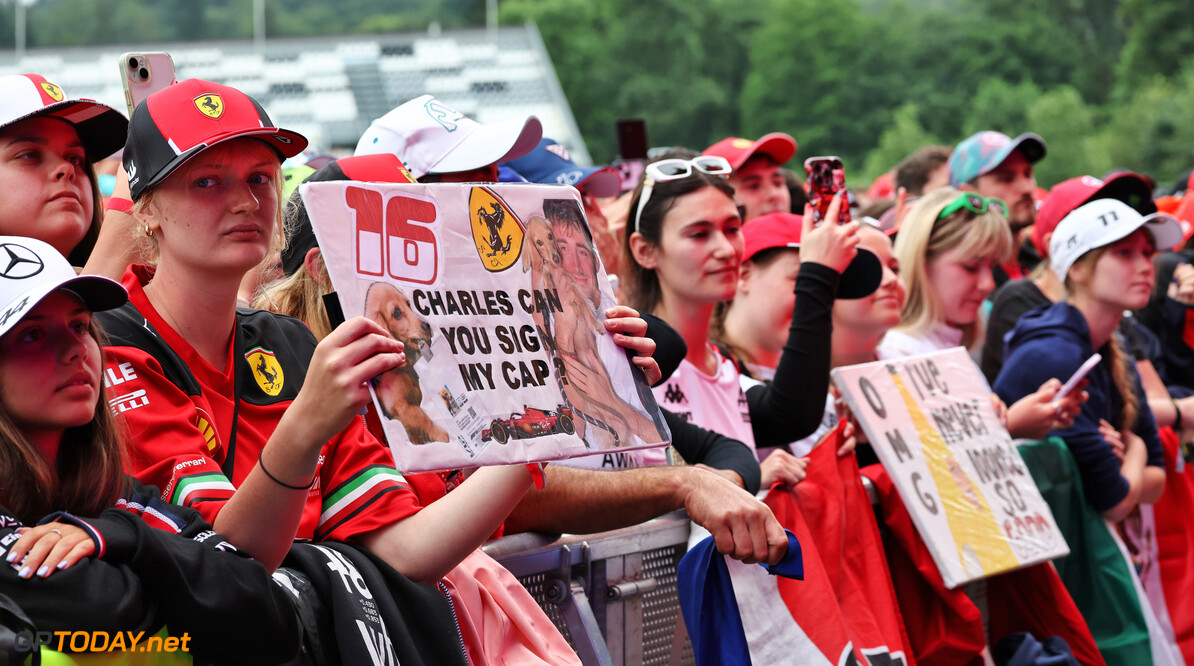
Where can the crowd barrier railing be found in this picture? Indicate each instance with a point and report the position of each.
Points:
(612, 594)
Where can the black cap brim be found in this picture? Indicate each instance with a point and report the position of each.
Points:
(862, 277)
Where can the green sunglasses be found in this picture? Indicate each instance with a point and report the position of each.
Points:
(973, 203)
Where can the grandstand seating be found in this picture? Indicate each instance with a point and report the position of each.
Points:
(330, 89)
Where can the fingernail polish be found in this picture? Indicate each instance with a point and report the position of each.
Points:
(12, 556)
(62, 564)
(43, 572)
(23, 573)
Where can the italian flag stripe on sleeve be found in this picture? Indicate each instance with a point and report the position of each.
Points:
(346, 498)
(208, 486)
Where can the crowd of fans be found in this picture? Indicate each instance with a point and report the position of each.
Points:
(149, 484)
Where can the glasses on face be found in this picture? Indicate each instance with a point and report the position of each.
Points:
(665, 170)
(973, 203)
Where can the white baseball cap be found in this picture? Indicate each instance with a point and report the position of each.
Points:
(30, 270)
(1102, 222)
(430, 137)
(101, 128)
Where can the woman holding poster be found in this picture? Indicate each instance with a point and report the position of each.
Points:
(252, 422)
(1104, 252)
(947, 247)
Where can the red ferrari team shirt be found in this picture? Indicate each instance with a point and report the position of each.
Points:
(179, 410)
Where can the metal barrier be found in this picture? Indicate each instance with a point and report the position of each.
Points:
(613, 594)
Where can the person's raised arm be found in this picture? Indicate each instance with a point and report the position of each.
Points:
(262, 517)
(791, 406)
(428, 544)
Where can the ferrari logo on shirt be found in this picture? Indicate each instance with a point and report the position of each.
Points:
(210, 105)
(52, 90)
(266, 370)
(203, 422)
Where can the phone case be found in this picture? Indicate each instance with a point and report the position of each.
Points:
(144, 74)
(826, 177)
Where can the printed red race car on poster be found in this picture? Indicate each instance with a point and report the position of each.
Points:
(533, 422)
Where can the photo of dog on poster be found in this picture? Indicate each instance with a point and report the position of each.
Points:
(398, 391)
(559, 255)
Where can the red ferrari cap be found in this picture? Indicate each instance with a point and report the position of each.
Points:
(174, 124)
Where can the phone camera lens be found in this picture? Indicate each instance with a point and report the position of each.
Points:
(133, 63)
(143, 72)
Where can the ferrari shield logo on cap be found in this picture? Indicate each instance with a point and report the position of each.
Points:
(52, 90)
(497, 231)
(210, 105)
(266, 370)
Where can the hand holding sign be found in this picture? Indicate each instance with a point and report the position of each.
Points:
(511, 355)
(629, 332)
(931, 423)
(337, 384)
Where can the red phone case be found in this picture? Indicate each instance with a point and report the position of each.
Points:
(826, 177)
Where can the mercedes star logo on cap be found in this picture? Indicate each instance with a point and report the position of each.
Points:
(18, 262)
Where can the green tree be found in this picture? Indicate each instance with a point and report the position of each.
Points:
(675, 63)
(818, 72)
(1150, 132)
(899, 140)
(1001, 106)
(1053, 42)
(1066, 123)
(1160, 36)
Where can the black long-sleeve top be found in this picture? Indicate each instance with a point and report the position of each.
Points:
(142, 578)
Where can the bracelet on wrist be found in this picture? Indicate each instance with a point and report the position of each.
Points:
(278, 481)
(120, 204)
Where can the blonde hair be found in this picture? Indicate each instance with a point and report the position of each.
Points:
(89, 474)
(923, 237)
(300, 296)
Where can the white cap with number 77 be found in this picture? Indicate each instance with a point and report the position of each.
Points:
(1103, 222)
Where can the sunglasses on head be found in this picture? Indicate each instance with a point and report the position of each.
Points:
(675, 169)
(973, 203)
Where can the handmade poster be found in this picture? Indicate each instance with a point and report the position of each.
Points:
(498, 296)
(932, 425)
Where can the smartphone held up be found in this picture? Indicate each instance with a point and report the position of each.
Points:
(826, 178)
(144, 74)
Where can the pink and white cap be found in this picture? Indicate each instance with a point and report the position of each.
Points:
(430, 137)
(101, 128)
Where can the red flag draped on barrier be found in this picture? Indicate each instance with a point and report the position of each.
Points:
(846, 573)
(945, 626)
(1175, 543)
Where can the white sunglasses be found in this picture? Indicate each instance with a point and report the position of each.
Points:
(675, 169)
